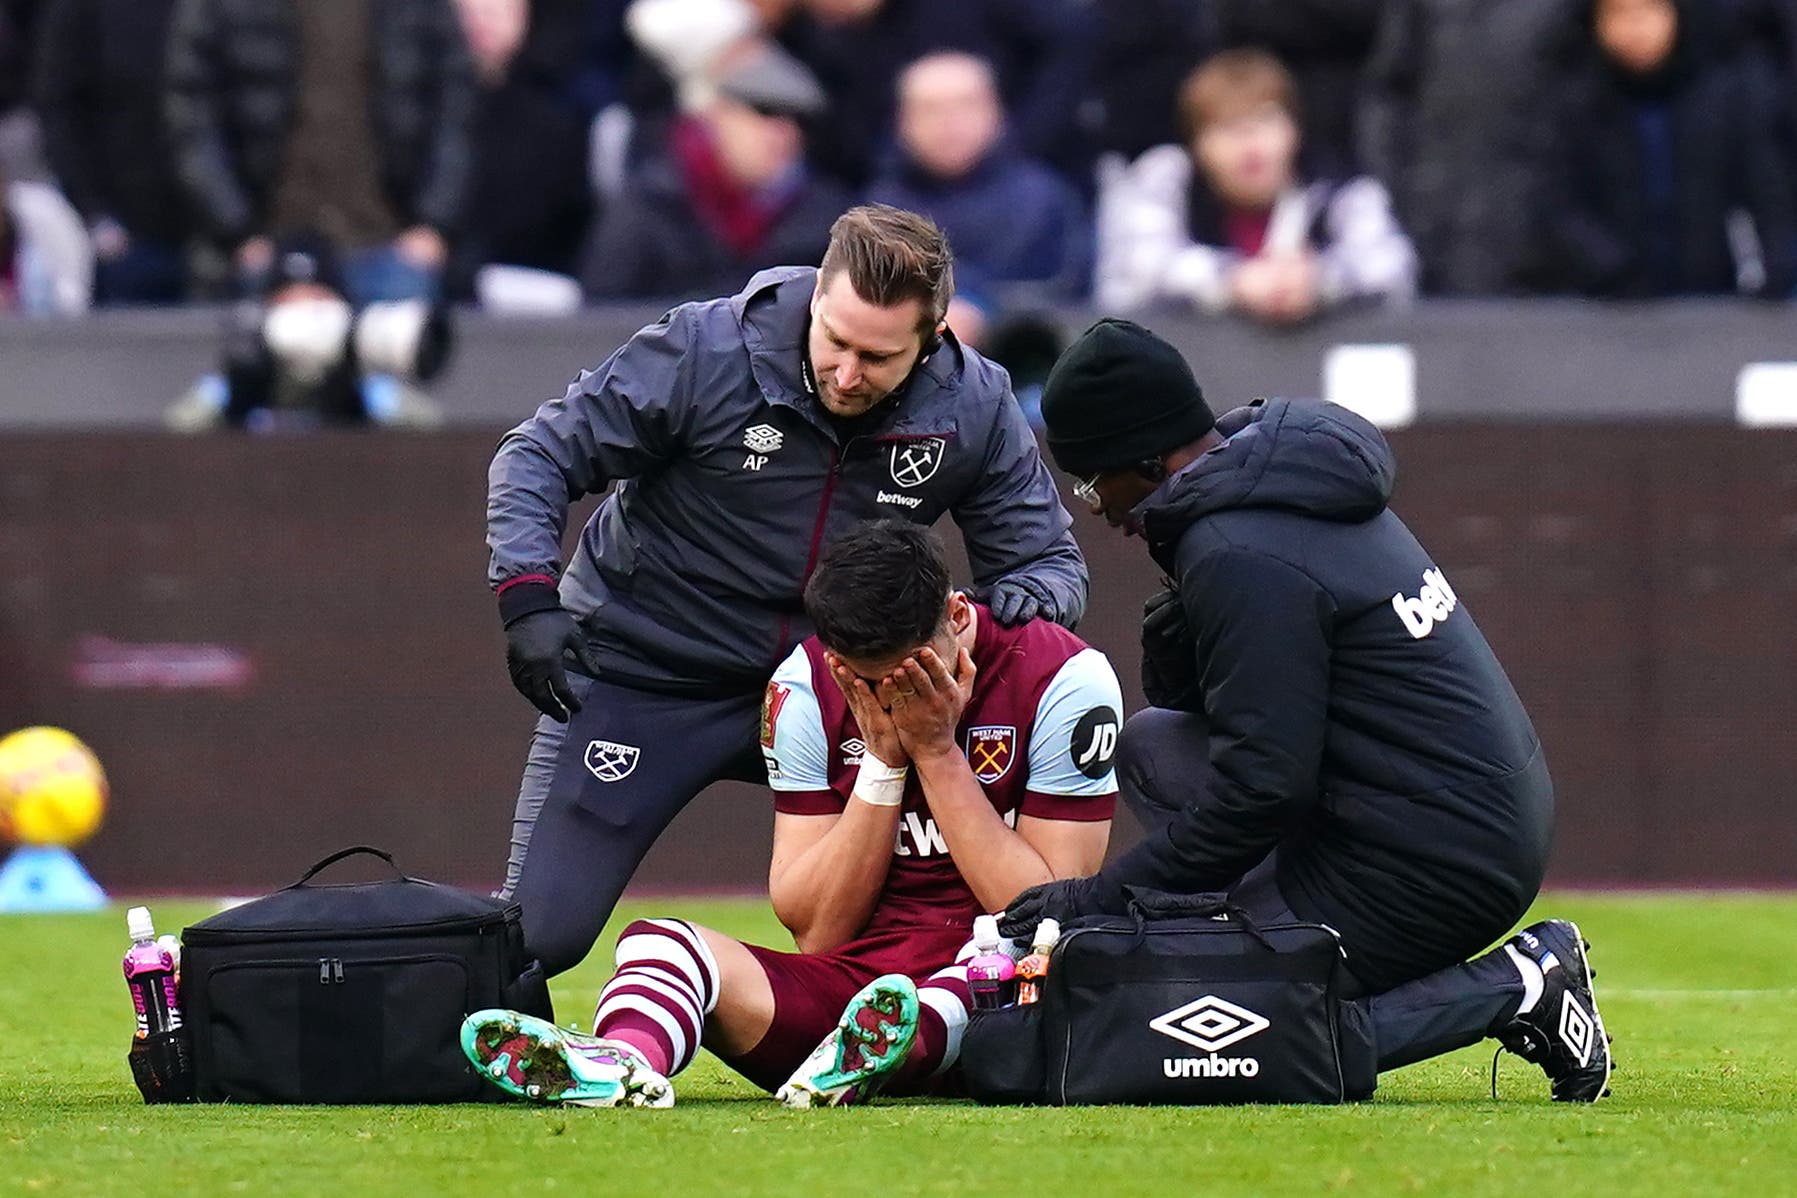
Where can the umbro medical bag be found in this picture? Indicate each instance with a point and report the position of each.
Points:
(1183, 1002)
(350, 992)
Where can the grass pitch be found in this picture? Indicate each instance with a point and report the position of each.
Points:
(1698, 989)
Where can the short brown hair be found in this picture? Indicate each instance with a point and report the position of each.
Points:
(892, 256)
(1231, 84)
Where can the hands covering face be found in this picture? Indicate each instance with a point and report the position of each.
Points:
(911, 714)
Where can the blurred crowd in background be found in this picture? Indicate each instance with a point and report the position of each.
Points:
(1274, 158)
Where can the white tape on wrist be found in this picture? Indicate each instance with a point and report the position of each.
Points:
(880, 784)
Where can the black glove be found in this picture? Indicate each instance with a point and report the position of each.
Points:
(534, 647)
(1017, 601)
(1063, 900)
(1169, 653)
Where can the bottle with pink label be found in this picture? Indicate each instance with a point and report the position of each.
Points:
(991, 975)
(159, 1057)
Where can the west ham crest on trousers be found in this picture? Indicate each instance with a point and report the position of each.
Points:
(611, 762)
(990, 751)
(914, 463)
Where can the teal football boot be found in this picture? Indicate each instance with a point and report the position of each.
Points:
(536, 1060)
(870, 1042)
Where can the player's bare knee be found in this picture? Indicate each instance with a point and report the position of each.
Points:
(745, 1007)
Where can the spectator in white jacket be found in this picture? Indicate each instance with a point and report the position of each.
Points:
(1228, 223)
(46, 260)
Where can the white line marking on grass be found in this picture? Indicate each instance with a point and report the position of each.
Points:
(1629, 992)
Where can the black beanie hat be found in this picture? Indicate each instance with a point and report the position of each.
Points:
(1118, 396)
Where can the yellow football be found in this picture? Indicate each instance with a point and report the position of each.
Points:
(52, 790)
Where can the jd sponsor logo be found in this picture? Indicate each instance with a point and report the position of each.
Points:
(1435, 603)
(1094, 745)
(1210, 1024)
(907, 501)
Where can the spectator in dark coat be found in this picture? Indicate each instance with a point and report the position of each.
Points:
(1042, 50)
(349, 117)
(21, 155)
(1670, 138)
(1142, 51)
(1324, 43)
(1459, 121)
(1768, 28)
(18, 29)
(732, 193)
(1010, 219)
(99, 90)
(1227, 221)
(529, 201)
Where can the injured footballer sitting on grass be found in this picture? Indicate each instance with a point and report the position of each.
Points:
(924, 769)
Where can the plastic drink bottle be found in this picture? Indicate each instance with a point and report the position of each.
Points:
(150, 972)
(1034, 968)
(159, 1058)
(991, 975)
(170, 944)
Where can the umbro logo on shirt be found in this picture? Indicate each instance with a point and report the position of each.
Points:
(761, 441)
(763, 438)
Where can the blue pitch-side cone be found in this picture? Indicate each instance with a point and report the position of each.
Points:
(43, 878)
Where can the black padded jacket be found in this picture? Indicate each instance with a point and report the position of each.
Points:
(231, 100)
(1360, 726)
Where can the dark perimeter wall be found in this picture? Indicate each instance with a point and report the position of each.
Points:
(283, 646)
(1474, 360)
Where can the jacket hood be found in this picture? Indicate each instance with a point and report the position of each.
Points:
(1304, 456)
(773, 311)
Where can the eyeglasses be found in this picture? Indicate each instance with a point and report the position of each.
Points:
(1086, 490)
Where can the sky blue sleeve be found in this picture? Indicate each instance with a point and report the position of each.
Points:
(1073, 747)
(793, 744)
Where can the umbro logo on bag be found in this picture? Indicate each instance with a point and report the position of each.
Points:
(1210, 1024)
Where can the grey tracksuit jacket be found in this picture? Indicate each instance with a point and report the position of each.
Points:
(731, 479)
